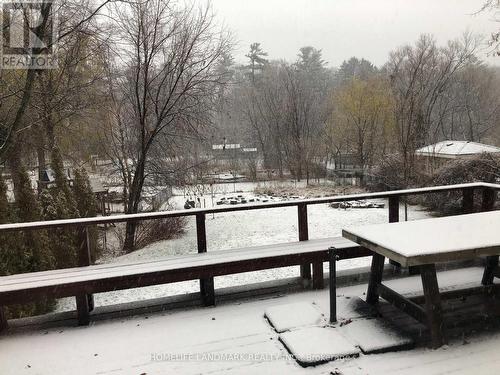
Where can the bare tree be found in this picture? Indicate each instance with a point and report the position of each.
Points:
(168, 87)
(419, 76)
(493, 6)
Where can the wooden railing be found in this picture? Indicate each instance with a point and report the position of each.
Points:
(488, 192)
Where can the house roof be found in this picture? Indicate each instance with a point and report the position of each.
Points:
(454, 149)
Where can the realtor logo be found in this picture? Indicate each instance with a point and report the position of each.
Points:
(28, 31)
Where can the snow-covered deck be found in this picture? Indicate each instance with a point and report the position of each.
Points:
(232, 338)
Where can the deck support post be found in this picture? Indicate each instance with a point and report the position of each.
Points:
(488, 202)
(207, 289)
(318, 276)
(433, 304)
(332, 260)
(3, 319)
(83, 309)
(489, 198)
(305, 269)
(467, 200)
(84, 301)
(394, 218)
(377, 269)
(489, 269)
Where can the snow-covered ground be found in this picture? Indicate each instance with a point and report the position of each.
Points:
(243, 229)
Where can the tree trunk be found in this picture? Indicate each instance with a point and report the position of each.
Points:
(134, 198)
(40, 155)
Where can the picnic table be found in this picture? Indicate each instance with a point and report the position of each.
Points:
(423, 243)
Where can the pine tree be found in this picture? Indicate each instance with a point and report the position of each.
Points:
(33, 247)
(12, 257)
(87, 207)
(84, 197)
(63, 240)
(257, 60)
(61, 181)
(59, 203)
(27, 208)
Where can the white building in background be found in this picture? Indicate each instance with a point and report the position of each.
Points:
(455, 150)
(440, 153)
(227, 146)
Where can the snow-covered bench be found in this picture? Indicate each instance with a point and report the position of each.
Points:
(81, 282)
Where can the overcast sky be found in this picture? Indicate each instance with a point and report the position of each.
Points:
(345, 28)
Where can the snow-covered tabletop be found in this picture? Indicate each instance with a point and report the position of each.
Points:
(432, 240)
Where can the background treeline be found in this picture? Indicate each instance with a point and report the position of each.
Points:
(303, 114)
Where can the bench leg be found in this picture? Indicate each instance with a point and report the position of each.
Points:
(433, 304)
(3, 319)
(83, 309)
(332, 260)
(318, 277)
(207, 291)
(305, 273)
(376, 272)
(90, 297)
(489, 270)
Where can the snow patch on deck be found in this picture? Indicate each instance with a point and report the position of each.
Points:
(314, 345)
(289, 316)
(376, 336)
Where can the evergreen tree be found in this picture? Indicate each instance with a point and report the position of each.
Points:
(257, 60)
(310, 60)
(356, 68)
(84, 197)
(87, 207)
(33, 246)
(27, 208)
(61, 181)
(12, 257)
(64, 241)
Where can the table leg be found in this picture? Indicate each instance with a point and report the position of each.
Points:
(376, 272)
(489, 270)
(433, 304)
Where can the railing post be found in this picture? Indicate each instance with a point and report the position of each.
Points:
(207, 290)
(489, 198)
(487, 204)
(467, 200)
(393, 208)
(394, 218)
(3, 319)
(84, 302)
(305, 269)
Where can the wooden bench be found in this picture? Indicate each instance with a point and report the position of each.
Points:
(82, 282)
